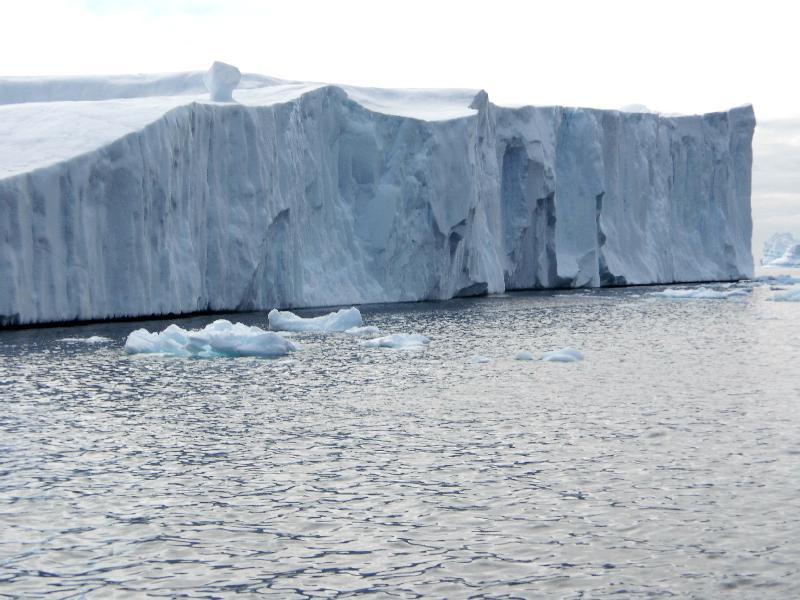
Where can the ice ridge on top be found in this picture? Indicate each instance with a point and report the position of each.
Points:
(141, 196)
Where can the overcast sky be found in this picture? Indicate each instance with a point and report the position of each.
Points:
(676, 56)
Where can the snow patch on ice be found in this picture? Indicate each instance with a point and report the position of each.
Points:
(564, 355)
(94, 339)
(701, 293)
(341, 320)
(220, 338)
(397, 340)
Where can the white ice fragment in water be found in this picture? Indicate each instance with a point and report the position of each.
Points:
(94, 339)
(220, 338)
(477, 360)
(341, 320)
(701, 293)
(363, 331)
(397, 340)
(790, 295)
(564, 355)
(524, 355)
(220, 80)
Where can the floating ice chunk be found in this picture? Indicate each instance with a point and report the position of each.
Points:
(220, 338)
(524, 355)
(477, 360)
(701, 293)
(790, 295)
(221, 79)
(563, 355)
(397, 340)
(94, 339)
(363, 331)
(341, 320)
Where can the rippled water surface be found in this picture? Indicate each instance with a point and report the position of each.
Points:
(667, 463)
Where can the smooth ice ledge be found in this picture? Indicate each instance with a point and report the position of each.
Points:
(564, 355)
(220, 338)
(341, 320)
(701, 293)
(397, 340)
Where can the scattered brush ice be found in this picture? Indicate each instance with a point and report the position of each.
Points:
(563, 355)
(791, 295)
(221, 79)
(524, 355)
(478, 360)
(95, 339)
(701, 293)
(363, 331)
(341, 320)
(397, 340)
(778, 280)
(220, 338)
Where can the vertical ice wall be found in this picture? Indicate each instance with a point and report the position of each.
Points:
(320, 201)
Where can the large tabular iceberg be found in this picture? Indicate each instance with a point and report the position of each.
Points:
(140, 196)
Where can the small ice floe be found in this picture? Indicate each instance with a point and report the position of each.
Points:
(524, 355)
(397, 340)
(701, 293)
(366, 331)
(478, 359)
(94, 339)
(564, 355)
(341, 320)
(220, 338)
(790, 295)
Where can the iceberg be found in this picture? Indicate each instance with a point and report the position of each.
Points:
(363, 331)
(777, 246)
(479, 360)
(524, 355)
(397, 340)
(220, 338)
(93, 339)
(564, 355)
(341, 320)
(140, 195)
(701, 293)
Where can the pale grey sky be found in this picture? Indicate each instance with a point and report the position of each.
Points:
(677, 56)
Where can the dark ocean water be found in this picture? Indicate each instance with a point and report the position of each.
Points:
(666, 464)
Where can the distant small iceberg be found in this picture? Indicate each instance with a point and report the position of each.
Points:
(94, 339)
(397, 340)
(479, 360)
(701, 293)
(341, 320)
(524, 355)
(220, 338)
(564, 355)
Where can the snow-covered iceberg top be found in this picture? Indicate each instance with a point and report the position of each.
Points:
(701, 293)
(220, 338)
(341, 320)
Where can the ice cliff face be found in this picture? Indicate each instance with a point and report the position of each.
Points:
(309, 195)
